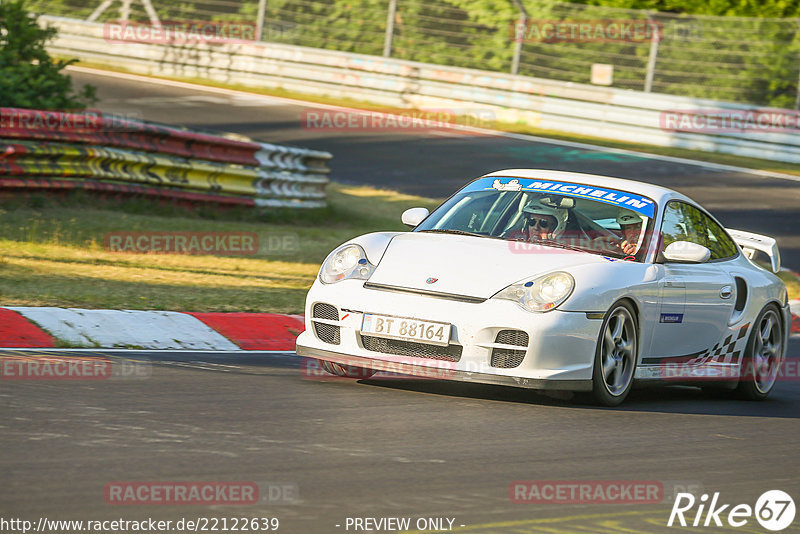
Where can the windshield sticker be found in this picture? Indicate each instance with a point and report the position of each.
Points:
(513, 185)
(631, 201)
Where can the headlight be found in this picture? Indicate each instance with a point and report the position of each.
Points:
(349, 261)
(540, 294)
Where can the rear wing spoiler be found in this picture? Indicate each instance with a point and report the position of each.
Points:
(751, 243)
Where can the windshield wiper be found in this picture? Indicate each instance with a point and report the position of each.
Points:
(457, 232)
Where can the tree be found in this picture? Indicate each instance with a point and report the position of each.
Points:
(29, 77)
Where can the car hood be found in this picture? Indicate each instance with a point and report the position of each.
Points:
(466, 265)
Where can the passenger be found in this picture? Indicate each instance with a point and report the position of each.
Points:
(543, 222)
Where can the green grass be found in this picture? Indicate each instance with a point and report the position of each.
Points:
(52, 252)
(699, 155)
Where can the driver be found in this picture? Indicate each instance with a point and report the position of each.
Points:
(631, 224)
(543, 222)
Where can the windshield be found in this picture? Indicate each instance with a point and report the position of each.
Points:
(555, 214)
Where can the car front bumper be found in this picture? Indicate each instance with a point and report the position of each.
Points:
(559, 353)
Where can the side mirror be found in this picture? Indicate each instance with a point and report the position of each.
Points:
(686, 252)
(413, 216)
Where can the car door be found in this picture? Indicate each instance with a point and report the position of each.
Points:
(696, 298)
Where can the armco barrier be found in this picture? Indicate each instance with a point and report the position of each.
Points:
(49, 185)
(583, 109)
(51, 150)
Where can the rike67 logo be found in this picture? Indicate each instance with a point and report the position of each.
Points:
(774, 510)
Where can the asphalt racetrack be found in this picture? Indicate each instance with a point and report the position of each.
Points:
(377, 448)
(399, 447)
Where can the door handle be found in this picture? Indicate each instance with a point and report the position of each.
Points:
(674, 283)
(726, 292)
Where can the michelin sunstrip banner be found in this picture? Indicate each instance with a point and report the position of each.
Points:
(623, 199)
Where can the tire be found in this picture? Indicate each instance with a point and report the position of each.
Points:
(616, 355)
(347, 371)
(762, 356)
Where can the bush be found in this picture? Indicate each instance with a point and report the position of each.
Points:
(29, 77)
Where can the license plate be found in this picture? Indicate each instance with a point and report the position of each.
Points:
(406, 329)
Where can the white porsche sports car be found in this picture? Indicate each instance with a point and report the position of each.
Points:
(555, 280)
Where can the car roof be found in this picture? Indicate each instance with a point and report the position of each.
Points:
(655, 192)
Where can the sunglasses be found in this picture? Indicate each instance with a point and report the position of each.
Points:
(544, 224)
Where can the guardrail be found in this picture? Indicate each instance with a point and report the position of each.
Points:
(52, 150)
(562, 106)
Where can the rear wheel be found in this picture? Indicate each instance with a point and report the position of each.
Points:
(763, 355)
(347, 371)
(616, 354)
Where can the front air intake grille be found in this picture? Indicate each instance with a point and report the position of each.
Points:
(512, 337)
(451, 353)
(325, 311)
(507, 358)
(329, 333)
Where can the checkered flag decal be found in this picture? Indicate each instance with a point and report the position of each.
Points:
(724, 351)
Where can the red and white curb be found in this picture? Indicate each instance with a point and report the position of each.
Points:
(44, 327)
(794, 305)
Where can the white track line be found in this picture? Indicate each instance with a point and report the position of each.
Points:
(471, 129)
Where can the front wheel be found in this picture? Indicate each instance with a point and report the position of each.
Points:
(615, 356)
(763, 355)
(347, 371)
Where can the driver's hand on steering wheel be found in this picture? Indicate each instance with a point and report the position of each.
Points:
(628, 248)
